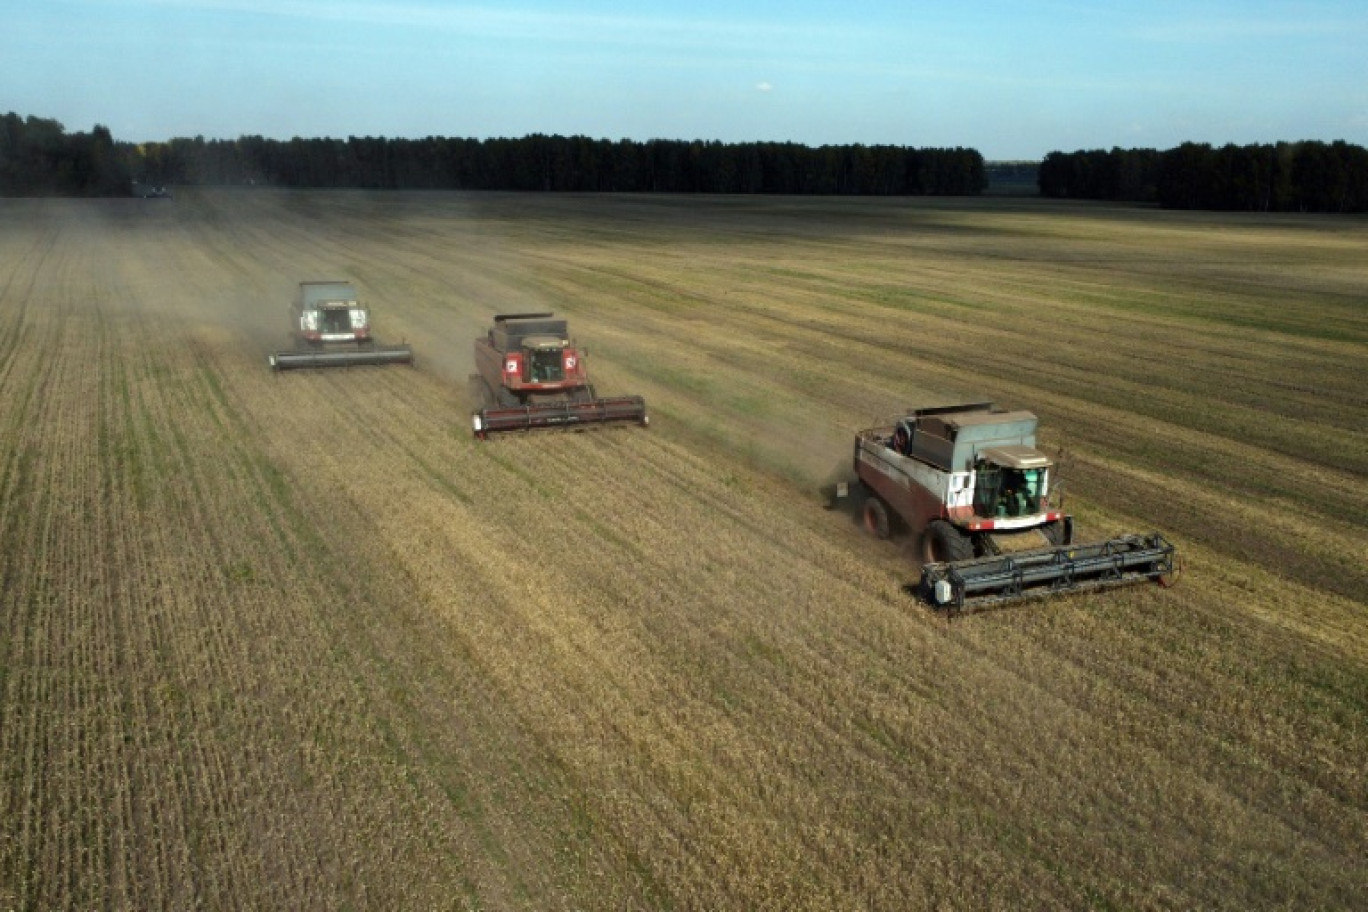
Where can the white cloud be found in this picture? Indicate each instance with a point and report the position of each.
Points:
(763, 87)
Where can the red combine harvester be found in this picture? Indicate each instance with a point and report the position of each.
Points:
(530, 376)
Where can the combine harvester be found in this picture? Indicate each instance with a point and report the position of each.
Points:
(530, 376)
(331, 328)
(970, 481)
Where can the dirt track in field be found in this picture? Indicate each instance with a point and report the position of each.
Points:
(298, 641)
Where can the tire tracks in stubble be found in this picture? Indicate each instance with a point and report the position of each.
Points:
(321, 649)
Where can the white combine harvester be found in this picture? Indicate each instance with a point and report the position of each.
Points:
(331, 328)
(969, 480)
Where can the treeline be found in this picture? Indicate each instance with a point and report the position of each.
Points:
(1283, 177)
(39, 158)
(561, 163)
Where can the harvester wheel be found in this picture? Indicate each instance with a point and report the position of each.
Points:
(876, 518)
(1054, 533)
(479, 391)
(942, 543)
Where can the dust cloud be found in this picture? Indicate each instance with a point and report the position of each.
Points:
(227, 264)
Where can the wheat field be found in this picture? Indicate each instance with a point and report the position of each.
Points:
(299, 641)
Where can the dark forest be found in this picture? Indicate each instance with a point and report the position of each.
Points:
(39, 158)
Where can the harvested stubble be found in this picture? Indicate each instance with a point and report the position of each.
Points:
(300, 642)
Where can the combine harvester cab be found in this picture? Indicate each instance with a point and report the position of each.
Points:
(531, 376)
(331, 328)
(969, 480)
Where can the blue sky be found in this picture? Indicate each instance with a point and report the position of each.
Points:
(1013, 80)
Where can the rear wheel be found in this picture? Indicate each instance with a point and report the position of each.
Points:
(942, 542)
(876, 518)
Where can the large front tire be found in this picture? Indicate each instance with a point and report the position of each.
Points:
(479, 391)
(943, 543)
(876, 520)
(1057, 533)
